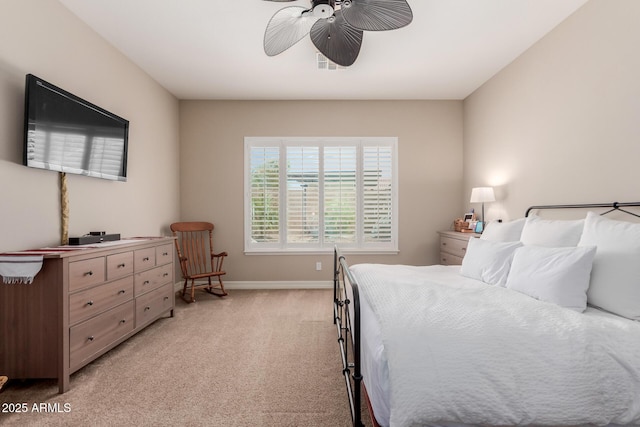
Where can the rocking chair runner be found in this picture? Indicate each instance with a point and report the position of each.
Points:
(194, 244)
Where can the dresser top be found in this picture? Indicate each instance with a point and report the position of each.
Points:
(458, 234)
(93, 248)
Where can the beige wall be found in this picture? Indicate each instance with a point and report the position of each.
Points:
(44, 38)
(430, 171)
(561, 124)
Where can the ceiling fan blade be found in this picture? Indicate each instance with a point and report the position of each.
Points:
(336, 39)
(285, 28)
(377, 15)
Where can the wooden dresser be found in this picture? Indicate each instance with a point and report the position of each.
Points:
(453, 246)
(83, 303)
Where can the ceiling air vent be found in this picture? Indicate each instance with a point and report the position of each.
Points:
(325, 63)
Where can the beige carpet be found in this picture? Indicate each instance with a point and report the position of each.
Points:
(254, 358)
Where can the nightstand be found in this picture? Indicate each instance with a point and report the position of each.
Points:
(453, 246)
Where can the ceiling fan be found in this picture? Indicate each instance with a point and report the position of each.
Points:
(335, 26)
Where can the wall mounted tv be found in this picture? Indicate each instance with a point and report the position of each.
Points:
(65, 133)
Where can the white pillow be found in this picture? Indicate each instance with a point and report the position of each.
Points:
(557, 275)
(551, 233)
(488, 261)
(503, 231)
(615, 279)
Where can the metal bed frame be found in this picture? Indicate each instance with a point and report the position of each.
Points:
(615, 206)
(346, 317)
(346, 312)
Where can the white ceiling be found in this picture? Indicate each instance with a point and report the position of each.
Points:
(212, 49)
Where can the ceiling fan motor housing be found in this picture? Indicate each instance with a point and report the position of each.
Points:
(323, 8)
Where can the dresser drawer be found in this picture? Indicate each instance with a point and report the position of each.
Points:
(88, 338)
(88, 303)
(154, 303)
(86, 273)
(448, 259)
(144, 258)
(164, 254)
(453, 246)
(151, 279)
(119, 265)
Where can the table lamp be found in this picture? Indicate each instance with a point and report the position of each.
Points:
(482, 195)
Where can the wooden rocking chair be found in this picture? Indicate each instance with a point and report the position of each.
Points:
(194, 244)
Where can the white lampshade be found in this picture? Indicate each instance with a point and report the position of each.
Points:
(482, 194)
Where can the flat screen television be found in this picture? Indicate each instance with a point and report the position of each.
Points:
(65, 133)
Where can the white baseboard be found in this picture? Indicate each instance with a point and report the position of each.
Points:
(324, 284)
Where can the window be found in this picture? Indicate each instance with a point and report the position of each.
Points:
(308, 194)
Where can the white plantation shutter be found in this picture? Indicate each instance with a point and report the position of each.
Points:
(377, 194)
(340, 194)
(307, 194)
(264, 194)
(303, 202)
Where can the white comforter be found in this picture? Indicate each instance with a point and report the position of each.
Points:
(473, 353)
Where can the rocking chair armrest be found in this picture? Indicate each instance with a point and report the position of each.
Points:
(217, 260)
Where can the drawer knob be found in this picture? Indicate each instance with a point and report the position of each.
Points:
(89, 273)
(123, 321)
(146, 282)
(147, 308)
(91, 338)
(145, 258)
(464, 249)
(90, 302)
(121, 265)
(121, 291)
(165, 274)
(166, 298)
(444, 244)
(165, 253)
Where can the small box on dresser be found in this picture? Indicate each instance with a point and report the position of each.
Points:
(453, 246)
(83, 303)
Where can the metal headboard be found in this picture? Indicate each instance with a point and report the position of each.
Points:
(614, 206)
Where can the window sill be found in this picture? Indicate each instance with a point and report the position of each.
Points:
(322, 252)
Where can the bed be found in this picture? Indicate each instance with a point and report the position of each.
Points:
(539, 326)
